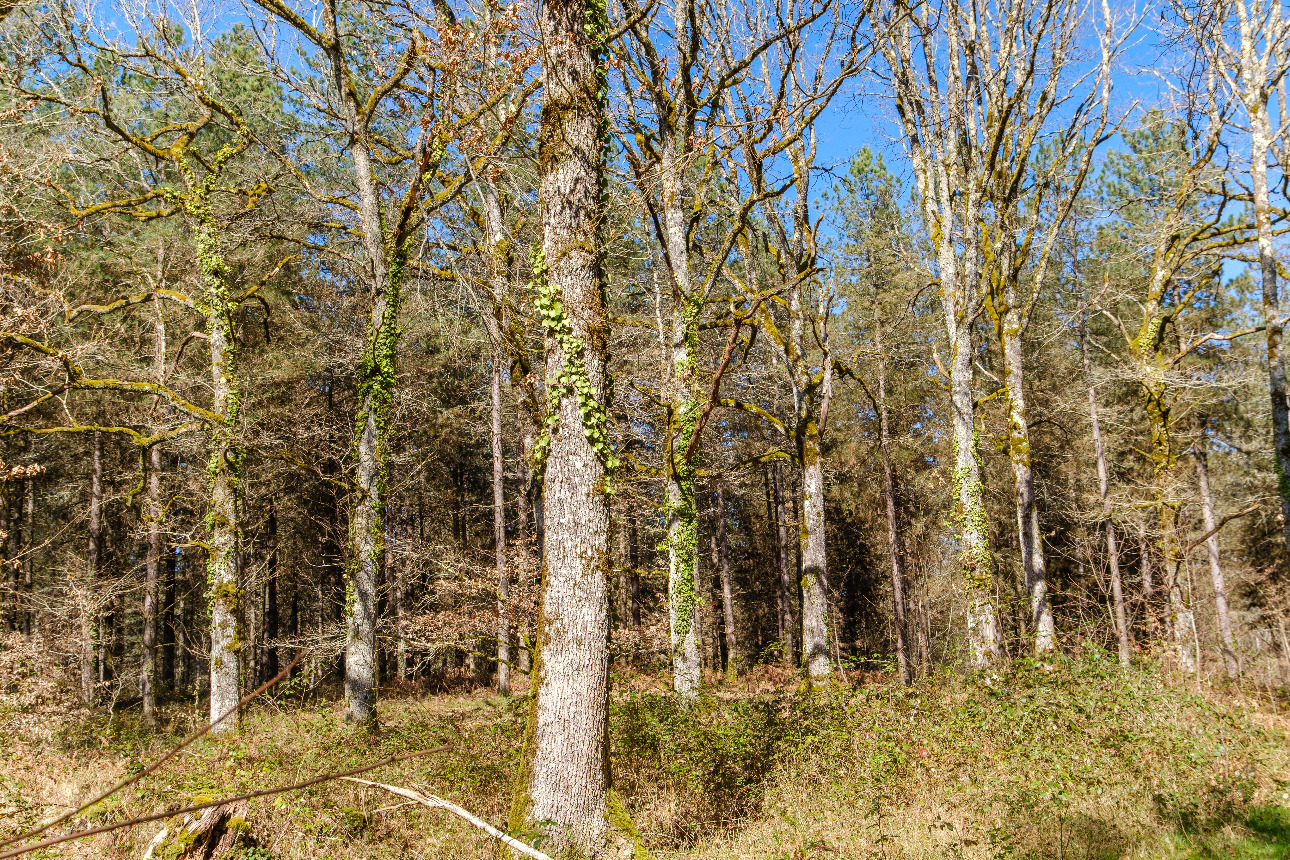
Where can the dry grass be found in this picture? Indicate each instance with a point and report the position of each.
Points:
(1081, 762)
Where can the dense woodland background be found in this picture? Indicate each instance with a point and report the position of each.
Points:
(274, 336)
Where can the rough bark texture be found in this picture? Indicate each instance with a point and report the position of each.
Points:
(225, 476)
(815, 587)
(1221, 613)
(564, 791)
(1103, 483)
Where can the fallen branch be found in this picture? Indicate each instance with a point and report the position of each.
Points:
(152, 768)
(434, 802)
(188, 810)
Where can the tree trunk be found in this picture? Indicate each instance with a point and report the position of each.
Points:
(499, 532)
(634, 568)
(814, 577)
(1215, 566)
(727, 595)
(564, 786)
(225, 480)
(1019, 453)
(88, 609)
(893, 526)
(271, 615)
(168, 626)
(787, 570)
(1181, 619)
(148, 681)
(1261, 140)
(1103, 483)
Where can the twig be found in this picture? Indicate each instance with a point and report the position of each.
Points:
(434, 802)
(171, 813)
(152, 768)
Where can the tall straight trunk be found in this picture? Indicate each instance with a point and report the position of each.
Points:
(1180, 619)
(88, 609)
(384, 255)
(499, 270)
(564, 785)
(684, 403)
(1019, 453)
(976, 562)
(148, 681)
(1261, 142)
(787, 572)
(1215, 566)
(814, 574)
(1103, 483)
(775, 550)
(27, 610)
(893, 525)
(634, 568)
(225, 480)
(1148, 580)
(499, 532)
(271, 614)
(727, 594)
(529, 504)
(168, 626)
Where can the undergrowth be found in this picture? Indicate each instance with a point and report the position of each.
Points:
(1077, 760)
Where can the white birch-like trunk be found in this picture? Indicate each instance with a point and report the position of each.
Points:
(815, 587)
(1221, 612)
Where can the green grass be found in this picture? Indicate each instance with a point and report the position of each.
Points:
(1078, 761)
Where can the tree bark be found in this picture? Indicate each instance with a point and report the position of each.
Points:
(271, 614)
(1215, 566)
(1103, 483)
(499, 532)
(225, 479)
(814, 576)
(727, 595)
(564, 787)
(787, 572)
(893, 525)
(148, 681)
(88, 608)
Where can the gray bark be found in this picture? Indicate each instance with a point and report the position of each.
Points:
(1215, 565)
(815, 587)
(564, 787)
(787, 570)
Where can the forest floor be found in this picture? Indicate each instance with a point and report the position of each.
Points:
(1080, 760)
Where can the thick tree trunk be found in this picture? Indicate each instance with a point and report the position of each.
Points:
(814, 578)
(148, 681)
(1181, 620)
(564, 790)
(893, 525)
(1221, 612)
(682, 589)
(727, 593)
(1103, 483)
